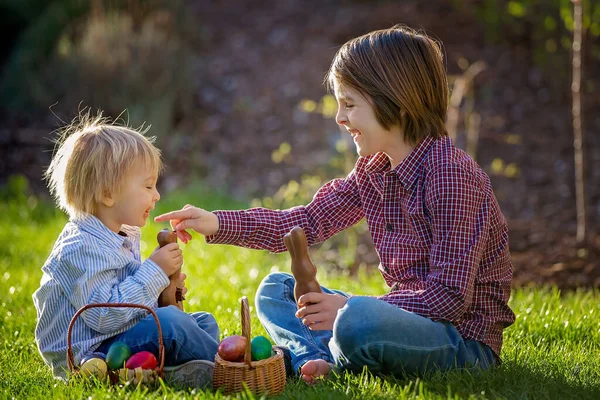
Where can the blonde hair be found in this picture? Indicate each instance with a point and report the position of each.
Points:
(93, 158)
(402, 71)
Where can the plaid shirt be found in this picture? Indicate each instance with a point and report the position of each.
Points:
(435, 222)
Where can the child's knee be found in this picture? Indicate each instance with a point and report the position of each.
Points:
(273, 285)
(210, 319)
(345, 324)
(173, 320)
(276, 278)
(205, 318)
(351, 327)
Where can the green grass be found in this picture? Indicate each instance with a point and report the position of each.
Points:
(552, 351)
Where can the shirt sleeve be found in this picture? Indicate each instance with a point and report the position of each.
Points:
(457, 204)
(335, 207)
(89, 274)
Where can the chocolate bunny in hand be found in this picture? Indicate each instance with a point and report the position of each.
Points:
(303, 269)
(173, 294)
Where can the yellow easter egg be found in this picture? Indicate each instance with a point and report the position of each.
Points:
(94, 367)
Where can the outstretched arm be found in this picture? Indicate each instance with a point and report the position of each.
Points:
(335, 207)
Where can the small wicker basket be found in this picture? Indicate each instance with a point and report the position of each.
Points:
(135, 376)
(263, 376)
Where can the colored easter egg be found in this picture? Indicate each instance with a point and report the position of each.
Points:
(118, 354)
(89, 356)
(143, 359)
(260, 348)
(94, 367)
(233, 348)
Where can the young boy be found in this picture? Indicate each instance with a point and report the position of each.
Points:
(105, 176)
(439, 233)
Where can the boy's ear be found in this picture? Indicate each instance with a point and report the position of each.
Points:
(107, 199)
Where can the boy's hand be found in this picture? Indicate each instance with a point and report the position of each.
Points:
(168, 257)
(319, 310)
(190, 217)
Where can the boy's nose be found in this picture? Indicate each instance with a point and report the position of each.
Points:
(340, 118)
(157, 196)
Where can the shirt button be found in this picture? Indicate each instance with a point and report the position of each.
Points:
(389, 227)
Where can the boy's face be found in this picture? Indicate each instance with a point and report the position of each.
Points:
(356, 114)
(135, 200)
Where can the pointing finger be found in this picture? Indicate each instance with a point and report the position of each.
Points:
(179, 214)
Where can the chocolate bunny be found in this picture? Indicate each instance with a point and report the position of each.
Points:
(303, 269)
(173, 294)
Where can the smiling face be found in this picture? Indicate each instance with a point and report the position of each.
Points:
(356, 114)
(401, 73)
(132, 204)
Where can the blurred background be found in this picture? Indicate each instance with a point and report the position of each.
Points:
(233, 91)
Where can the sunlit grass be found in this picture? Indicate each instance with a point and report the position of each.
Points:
(550, 352)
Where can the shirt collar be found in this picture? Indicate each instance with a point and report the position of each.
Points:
(409, 168)
(95, 227)
(378, 163)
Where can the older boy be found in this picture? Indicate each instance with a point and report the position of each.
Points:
(436, 225)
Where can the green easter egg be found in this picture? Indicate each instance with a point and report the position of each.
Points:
(118, 354)
(260, 348)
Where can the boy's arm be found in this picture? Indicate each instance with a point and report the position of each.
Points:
(335, 207)
(90, 275)
(458, 207)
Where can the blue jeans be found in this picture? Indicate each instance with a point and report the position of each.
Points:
(186, 337)
(367, 332)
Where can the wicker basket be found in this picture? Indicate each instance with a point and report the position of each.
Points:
(263, 376)
(135, 376)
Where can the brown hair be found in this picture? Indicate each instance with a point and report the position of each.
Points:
(93, 158)
(402, 73)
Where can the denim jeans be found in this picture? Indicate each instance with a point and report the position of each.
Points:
(367, 332)
(186, 337)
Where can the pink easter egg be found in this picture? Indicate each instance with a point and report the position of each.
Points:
(143, 359)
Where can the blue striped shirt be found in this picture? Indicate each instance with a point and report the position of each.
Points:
(91, 264)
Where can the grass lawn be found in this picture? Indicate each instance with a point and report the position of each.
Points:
(552, 351)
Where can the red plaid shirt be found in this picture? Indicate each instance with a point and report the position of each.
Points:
(435, 222)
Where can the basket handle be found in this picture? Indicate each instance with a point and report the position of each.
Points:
(245, 310)
(161, 346)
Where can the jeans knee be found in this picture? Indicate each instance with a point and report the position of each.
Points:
(173, 321)
(355, 321)
(273, 286)
(208, 318)
(346, 325)
(275, 278)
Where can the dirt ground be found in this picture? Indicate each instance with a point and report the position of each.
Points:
(260, 59)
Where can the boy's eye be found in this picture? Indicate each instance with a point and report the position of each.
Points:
(349, 106)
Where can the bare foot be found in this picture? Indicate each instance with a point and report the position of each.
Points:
(313, 370)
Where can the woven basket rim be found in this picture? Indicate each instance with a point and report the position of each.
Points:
(253, 364)
(74, 369)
